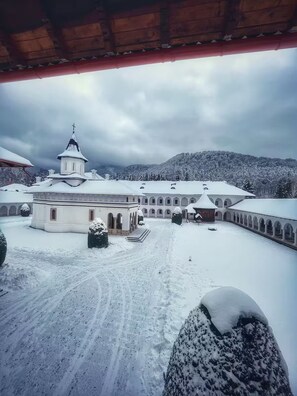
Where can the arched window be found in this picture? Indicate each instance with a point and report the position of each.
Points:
(152, 201)
(262, 225)
(256, 225)
(192, 200)
(160, 201)
(91, 214)
(53, 214)
(176, 201)
(219, 203)
(184, 201)
(168, 201)
(227, 202)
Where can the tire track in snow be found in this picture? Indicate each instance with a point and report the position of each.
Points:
(113, 366)
(86, 343)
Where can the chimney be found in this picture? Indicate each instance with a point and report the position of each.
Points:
(94, 173)
(38, 179)
(107, 176)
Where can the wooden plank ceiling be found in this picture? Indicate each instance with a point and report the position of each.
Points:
(47, 33)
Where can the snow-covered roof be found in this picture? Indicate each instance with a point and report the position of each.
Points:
(72, 150)
(10, 159)
(103, 187)
(285, 208)
(14, 187)
(73, 175)
(90, 175)
(72, 154)
(190, 209)
(15, 197)
(204, 202)
(187, 187)
(227, 304)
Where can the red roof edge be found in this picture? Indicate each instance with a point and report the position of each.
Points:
(235, 46)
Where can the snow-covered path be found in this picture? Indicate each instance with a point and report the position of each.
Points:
(103, 322)
(80, 332)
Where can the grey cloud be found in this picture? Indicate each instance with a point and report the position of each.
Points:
(243, 103)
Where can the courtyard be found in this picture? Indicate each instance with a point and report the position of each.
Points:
(79, 321)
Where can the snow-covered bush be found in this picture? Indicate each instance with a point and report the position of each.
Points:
(98, 234)
(25, 210)
(3, 248)
(226, 347)
(177, 216)
(140, 216)
(141, 223)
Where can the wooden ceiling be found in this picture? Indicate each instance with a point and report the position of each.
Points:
(40, 38)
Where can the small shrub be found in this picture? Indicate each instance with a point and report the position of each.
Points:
(25, 210)
(3, 248)
(98, 234)
(177, 216)
(140, 216)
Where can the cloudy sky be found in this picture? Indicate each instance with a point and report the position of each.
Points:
(243, 103)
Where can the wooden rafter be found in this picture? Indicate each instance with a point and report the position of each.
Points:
(231, 19)
(15, 55)
(164, 24)
(292, 25)
(55, 34)
(104, 22)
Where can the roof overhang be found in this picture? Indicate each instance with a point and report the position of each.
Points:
(59, 37)
(8, 159)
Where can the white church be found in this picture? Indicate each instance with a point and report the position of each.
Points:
(68, 201)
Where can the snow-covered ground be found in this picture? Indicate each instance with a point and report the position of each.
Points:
(79, 321)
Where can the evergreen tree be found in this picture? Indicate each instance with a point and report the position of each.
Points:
(284, 189)
(248, 186)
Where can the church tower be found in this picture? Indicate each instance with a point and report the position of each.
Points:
(72, 160)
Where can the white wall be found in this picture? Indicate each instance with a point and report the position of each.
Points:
(75, 217)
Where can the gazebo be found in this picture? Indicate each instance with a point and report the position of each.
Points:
(203, 209)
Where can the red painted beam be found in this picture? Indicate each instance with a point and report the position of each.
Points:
(236, 46)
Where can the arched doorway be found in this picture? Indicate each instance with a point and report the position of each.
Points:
(288, 233)
(110, 221)
(219, 215)
(262, 225)
(119, 221)
(269, 228)
(12, 211)
(227, 216)
(278, 232)
(256, 225)
(3, 211)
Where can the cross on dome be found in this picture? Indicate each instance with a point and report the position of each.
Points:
(72, 149)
